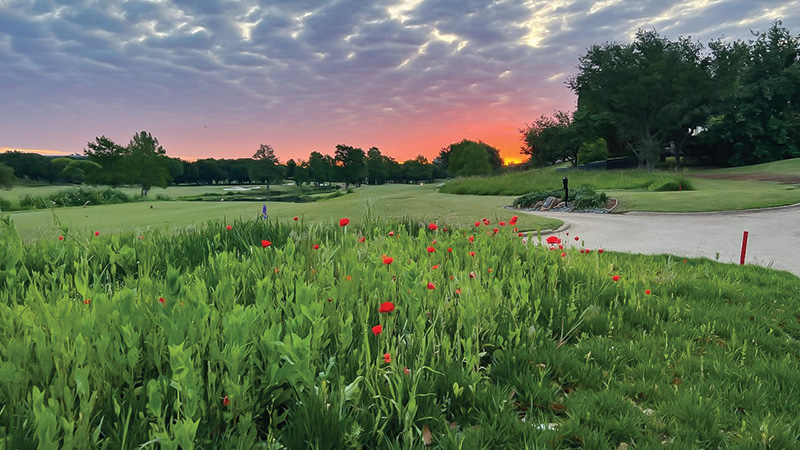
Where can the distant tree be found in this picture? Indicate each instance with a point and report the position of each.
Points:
(302, 173)
(443, 161)
(146, 162)
(209, 171)
(551, 138)
(469, 158)
(595, 150)
(417, 169)
(7, 178)
(320, 167)
(353, 164)
(377, 169)
(290, 166)
(30, 166)
(266, 167)
(75, 170)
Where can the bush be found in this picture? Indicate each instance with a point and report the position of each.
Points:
(6, 205)
(678, 184)
(583, 197)
(586, 197)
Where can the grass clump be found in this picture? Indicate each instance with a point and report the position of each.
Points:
(77, 196)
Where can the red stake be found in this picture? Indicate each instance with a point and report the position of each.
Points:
(744, 248)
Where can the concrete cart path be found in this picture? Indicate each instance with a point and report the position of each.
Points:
(774, 234)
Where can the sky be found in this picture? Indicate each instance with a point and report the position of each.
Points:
(216, 78)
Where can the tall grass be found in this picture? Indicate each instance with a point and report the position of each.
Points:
(519, 183)
(213, 339)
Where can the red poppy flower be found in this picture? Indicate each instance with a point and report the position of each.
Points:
(514, 220)
(391, 233)
(490, 270)
(458, 291)
(563, 255)
(553, 240)
(87, 301)
(315, 246)
(615, 278)
(477, 224)
(432, 227)
(97, 233)
(431, 286)
(348, 277)
(486, 221)
(226, 401)
(406, 371)
(386, 307)
(362, 239)
(647, 292)
(162, 300)
(577, 238)
(515, 229)
(61, 238)
(141, 237)
(344, 221)
(449, 250)
(581, 251)
(684, 261)
(599, 250)
(228, 227)
(295, 218)
(560, 247)
(471, 238)
(520, 234)
(472, 275)
(436, 266)
(471, 253)
(265, 243)
(495, 231)
(387, 358)
(377, 329)
(431, 249)
(387, 260)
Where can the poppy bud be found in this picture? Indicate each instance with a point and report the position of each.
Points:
(377, 329)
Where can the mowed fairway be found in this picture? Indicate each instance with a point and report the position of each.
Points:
(385, 202)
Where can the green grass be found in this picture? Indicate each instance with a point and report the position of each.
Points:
(710, 195)
(204, 338)
(16, 192)
(519, 183)
(386, 202)
(784, 167)
(634, 188)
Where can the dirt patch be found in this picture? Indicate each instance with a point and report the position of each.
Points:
(776, 177)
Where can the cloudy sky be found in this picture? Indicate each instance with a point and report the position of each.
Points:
(216, 78)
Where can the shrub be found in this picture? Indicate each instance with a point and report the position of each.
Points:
(6, 205)
(530, 199)
(586, 197)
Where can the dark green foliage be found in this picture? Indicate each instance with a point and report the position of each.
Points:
(7, 178)
(584, 197)
(78, 196)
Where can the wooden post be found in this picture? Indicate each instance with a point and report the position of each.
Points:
(744, 248)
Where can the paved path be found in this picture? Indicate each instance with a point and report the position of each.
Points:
(774, 239)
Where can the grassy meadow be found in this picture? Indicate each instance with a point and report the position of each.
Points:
(387, 202)
(287, 334)
(637, 190)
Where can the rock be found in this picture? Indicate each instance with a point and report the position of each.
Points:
(550, 203)
(538, 204)
(561, 205)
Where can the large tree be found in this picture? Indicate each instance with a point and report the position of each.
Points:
(146, 162)
(112, 157)
(266, 167)
(648, 88)
(758, 117)
(492, 156)
(377, 168)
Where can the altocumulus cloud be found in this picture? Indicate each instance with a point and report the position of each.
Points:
(283, 66)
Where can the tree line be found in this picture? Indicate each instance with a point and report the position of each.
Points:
(144, 162)
(730, 103)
